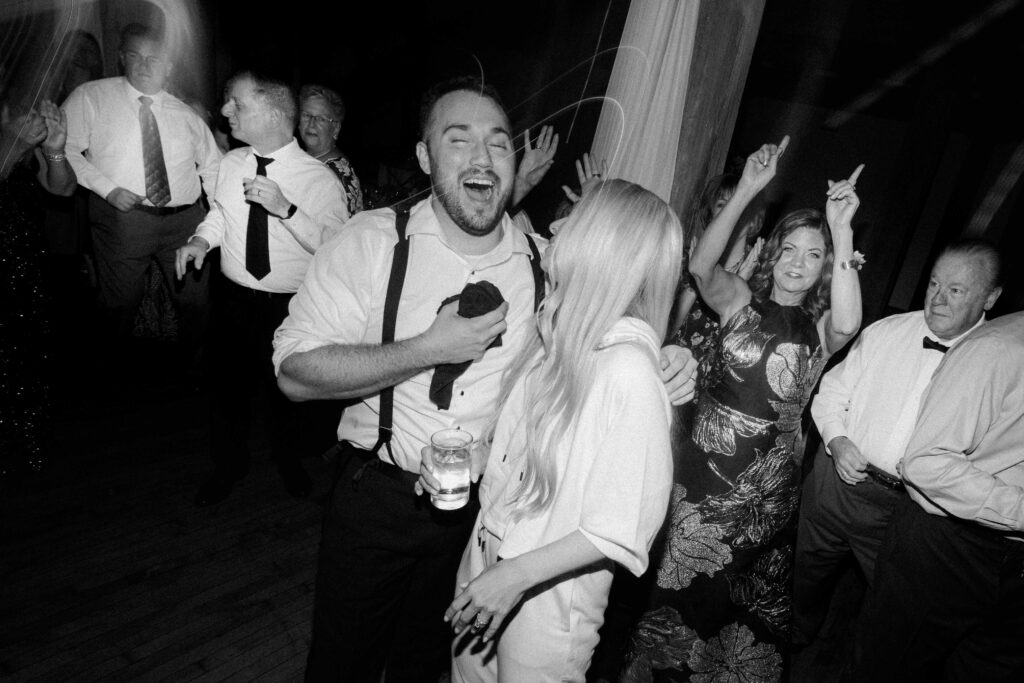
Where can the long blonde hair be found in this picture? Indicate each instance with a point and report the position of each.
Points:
(618, 254)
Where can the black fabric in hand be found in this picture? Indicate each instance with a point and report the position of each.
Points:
(476, 299)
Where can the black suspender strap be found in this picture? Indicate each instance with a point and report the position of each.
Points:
(399, 262)
(396, 280)
(538, 274)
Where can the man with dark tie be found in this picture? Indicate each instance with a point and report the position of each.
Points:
(273, 206)
(142, 152)
(865, 410)
(948, 599)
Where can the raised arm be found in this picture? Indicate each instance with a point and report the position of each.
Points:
(536, 162)
(589, 173)
(723, 291)
(55, 172)
(840, 324)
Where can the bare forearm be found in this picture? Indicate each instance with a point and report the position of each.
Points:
(846, 301)
(343, 371)
(59, 177)
(716, 238)
(565, 555)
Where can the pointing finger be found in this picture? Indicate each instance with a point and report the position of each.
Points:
(783, 145)
(856, 174)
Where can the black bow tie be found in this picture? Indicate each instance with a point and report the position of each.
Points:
(930, 343)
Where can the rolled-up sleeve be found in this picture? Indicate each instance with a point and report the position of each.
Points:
(630, 482)
(332, 305)
(321, 211)
(831, 406)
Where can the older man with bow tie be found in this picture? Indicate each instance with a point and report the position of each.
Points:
(865, 409)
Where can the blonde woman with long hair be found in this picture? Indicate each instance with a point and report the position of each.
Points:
(580, 467)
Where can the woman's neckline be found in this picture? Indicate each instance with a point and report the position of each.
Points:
(328, 155)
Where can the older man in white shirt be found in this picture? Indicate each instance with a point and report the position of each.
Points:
(273, 207)
(142, 152)
(865, 411)
(948, 600)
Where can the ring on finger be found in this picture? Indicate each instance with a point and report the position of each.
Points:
(480, 624)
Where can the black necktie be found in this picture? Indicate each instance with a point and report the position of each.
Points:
(257, 252)
(930, 343)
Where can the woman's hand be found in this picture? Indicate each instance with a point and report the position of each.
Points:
(56, 127)
(589, 174)
(486, 600)
(748, 265)
(536, 161)
(28, 130)
(761, 166)
(842, 202)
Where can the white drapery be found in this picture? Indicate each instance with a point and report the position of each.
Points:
(638, 132)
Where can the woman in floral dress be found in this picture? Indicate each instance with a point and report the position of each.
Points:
(720, 607)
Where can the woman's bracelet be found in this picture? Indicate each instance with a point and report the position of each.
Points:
(855, 263)
(55, 156)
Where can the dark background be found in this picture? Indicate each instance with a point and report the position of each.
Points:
(926, 94)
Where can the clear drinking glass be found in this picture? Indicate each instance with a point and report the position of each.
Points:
(449, 460)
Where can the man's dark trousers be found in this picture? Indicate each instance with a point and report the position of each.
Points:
(836, 520)
(386, 574)
(125, 243)
(947, 605)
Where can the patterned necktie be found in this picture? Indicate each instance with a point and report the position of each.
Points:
(158, 189)
(257, 251)
(930, 343)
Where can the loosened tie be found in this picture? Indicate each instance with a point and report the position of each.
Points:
(158, 189)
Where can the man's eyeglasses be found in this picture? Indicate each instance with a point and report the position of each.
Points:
(305, 117)
(133, 57)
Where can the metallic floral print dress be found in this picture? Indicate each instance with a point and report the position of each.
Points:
(720, 607)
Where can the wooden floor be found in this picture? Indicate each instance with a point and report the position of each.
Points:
(108, 572)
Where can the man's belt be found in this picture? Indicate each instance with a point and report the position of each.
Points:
(163, 210)
(884, 478)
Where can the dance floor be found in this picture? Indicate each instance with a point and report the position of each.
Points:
(109, 573)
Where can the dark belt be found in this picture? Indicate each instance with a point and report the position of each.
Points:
(163, 210)
(242, 290)
(369, 459)
(884, 478)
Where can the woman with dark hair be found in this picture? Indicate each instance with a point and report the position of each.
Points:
(721, 603)
(321, 113)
